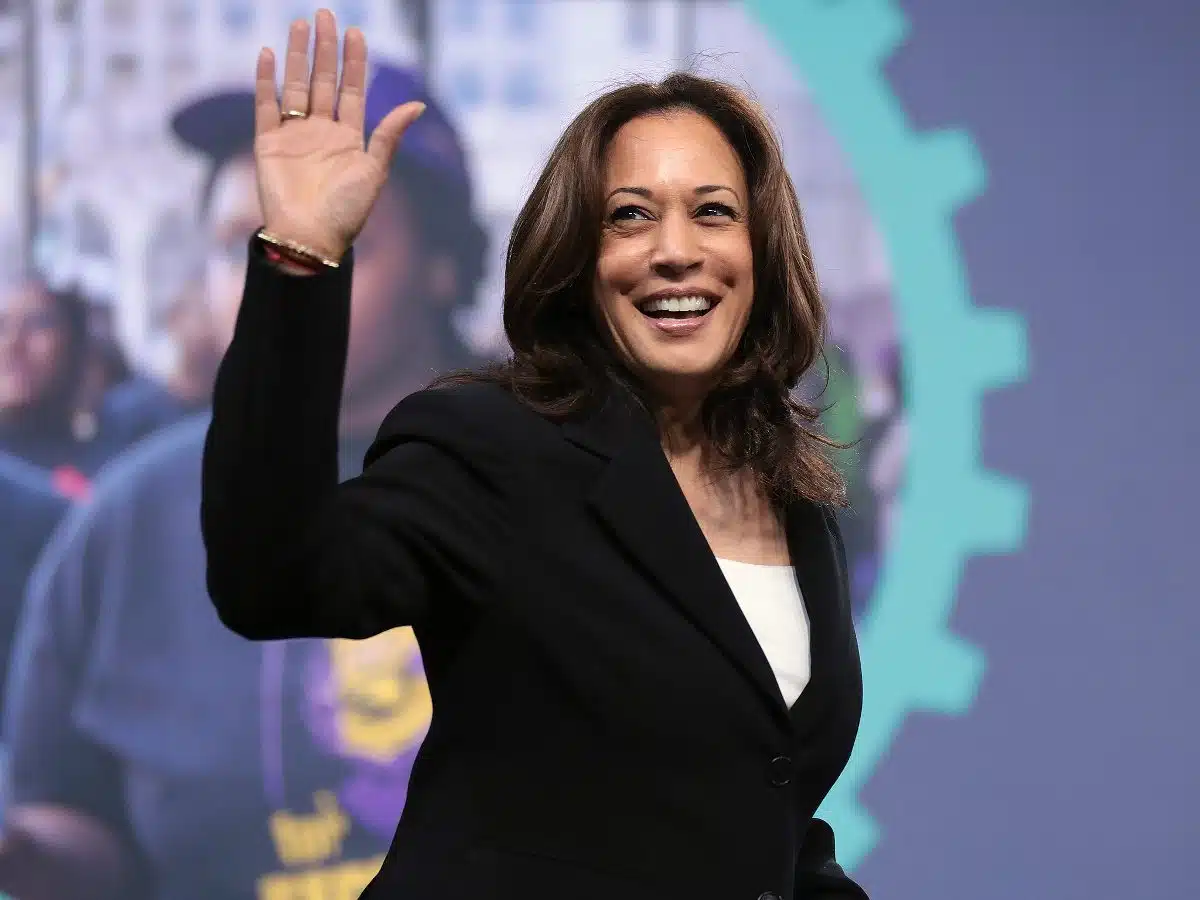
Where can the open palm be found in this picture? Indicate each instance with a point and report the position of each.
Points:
(316, 180)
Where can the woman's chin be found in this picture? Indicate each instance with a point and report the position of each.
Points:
(681, 377)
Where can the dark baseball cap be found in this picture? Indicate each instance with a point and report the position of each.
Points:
(221, 125)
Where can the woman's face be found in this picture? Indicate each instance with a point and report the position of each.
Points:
(34, 347)
(390, 299)
(675, 273)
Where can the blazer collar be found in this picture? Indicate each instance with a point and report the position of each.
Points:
(639, 498)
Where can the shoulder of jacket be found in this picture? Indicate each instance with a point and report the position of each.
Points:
(475, 417)
(477, 405)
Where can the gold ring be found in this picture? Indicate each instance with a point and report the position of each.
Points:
(294, 114)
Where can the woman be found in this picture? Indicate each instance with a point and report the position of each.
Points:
(154, 754)
(617, 549)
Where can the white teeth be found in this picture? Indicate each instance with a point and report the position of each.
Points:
(678, 304)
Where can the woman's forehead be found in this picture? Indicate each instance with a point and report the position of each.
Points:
(681, 149)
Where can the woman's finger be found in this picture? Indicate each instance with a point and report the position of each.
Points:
(387, 135)
(324, 82)
(352, 97)
(295, 70)
(266, 103)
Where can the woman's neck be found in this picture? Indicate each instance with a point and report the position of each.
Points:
(681, 427)
(678, 405)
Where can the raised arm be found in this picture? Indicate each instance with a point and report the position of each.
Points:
(290, 552)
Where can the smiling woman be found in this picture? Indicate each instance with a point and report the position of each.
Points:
(663, 248)
(617, 549)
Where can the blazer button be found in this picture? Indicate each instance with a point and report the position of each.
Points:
(780, 772)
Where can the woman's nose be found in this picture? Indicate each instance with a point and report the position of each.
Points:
(676, 248)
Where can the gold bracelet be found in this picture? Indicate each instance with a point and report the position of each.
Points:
(298, 252)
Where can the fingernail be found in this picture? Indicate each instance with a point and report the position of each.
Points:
(420, 108)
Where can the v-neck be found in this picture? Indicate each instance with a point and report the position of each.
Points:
(640, 499)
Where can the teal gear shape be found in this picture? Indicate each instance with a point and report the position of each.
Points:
(951, 507)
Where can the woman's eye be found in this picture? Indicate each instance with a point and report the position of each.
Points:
(627, 213)
(716, 209)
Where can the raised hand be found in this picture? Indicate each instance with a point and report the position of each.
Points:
(316, 182)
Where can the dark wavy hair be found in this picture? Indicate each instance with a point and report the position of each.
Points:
(560, 363)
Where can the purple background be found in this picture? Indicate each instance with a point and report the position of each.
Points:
(1075, 775)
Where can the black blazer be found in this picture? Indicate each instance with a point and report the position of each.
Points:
(605, 725)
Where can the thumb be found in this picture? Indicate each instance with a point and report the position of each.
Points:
(386, 137)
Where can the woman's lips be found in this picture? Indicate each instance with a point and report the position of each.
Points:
(679, 326)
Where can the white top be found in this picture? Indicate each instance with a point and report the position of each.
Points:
(771, 601)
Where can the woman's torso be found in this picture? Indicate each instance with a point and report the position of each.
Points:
(603, 698)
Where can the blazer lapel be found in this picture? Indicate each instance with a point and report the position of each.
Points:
(640, 501)
(811, 545)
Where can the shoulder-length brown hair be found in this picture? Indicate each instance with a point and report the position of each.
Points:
(561, 365)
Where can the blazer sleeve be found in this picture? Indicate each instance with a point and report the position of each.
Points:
(818, 875)
(290, 552)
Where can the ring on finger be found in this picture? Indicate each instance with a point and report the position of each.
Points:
(294, 114)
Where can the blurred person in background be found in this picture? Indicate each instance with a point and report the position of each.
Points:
(840, 396)
(30, 507)
(864, 401)
(190, 322)
(147, 403)
(154, 754)
(56, 375)
(878, 461)
(44, 352)
(888, 439)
